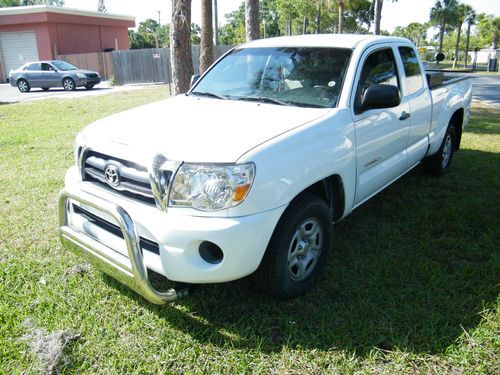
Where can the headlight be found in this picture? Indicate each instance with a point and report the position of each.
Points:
(211, 187)
(81, 75)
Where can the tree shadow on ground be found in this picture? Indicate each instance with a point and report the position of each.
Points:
(408, 270)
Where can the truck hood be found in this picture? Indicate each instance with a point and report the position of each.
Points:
(194, 129)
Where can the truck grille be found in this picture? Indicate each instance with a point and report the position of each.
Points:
(118, 175)
(91, 75)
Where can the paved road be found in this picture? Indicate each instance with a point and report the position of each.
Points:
(9, 94)
(486, 88)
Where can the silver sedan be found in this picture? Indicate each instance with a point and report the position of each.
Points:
(54, 73)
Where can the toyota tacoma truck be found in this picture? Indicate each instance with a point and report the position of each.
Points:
(248, 171)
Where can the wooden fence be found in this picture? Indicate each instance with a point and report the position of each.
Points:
(135, 66)
(101, 62)
(152, 65)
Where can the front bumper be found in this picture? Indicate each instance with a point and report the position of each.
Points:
(243, 240)
(84, 81)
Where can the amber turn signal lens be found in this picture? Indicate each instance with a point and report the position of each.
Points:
(241, 192)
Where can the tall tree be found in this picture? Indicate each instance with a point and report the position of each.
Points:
(415, 31)
(470, 18)
(378, 15)
(460, 14)
(442, 14)
(180, 45)
(341, 4)
(252, 24)
(207, 34)
(101, 7)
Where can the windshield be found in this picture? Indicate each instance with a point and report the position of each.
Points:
(306, 76)
(62, 65)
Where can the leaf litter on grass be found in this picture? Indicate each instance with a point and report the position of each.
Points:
(48, 347)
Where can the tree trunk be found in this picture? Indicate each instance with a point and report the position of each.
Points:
(180, 45)
(341, 17)
(207, 35)
(467, 45)
(252, 19)
(459, 30)
(378, 15)
(441, 34)
(216, 23)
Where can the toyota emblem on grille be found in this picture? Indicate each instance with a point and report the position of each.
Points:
(112, 175)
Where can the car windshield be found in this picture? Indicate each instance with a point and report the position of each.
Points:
(305, 76)
(63, 65)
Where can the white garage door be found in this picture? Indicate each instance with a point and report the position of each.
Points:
(17, 49)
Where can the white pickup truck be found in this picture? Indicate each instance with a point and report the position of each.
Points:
(248, 171)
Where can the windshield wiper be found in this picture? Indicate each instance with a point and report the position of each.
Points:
(263, 99)
(208, 94)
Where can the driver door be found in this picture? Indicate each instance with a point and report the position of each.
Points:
(381, 134)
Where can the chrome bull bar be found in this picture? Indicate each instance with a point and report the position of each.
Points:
(102, 256)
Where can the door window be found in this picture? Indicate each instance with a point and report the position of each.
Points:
(379, 68)
(34, 66)
(47, 67)
(414, 79)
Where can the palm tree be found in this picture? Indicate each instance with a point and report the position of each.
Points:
(207, 33)
(441, 14)
(470, 18)
(252, 24)
(460, 14)
(180, 45)
(341, 15)
(378, 14)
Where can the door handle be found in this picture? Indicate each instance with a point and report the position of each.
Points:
(405, 115)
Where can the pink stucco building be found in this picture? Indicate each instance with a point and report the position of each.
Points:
(42, 32)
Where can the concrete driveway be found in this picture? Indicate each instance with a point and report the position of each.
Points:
(9, 94)
(486, 89)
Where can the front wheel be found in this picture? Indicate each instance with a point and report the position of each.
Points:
(439, 163)
(89, 86)
(23, 85)
(298, 249)
(69, 84)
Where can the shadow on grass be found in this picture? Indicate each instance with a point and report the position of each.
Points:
(408, 269)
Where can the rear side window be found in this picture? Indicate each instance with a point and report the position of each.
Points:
(414, 79)
(34, 66)
(379, 68)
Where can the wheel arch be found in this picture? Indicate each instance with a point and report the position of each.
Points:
(457, 120)
(331, 190)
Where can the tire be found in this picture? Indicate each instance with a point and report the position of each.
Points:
(89, 86)
(68, 84)
(439, 163)
(23, 85)
(298, 249)
(45, 88)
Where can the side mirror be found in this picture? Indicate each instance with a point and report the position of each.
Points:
(194, 79)
(381, 96)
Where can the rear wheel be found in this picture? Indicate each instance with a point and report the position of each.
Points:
(439, 163)
(298, 249)
(23, 85)
(69, 84)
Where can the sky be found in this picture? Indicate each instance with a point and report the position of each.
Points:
(399, 13)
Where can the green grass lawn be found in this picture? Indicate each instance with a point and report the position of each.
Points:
(411, 286)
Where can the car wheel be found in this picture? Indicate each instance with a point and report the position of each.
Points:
(298, 249)
(69, 84)
(45, 88)
(439, 163)
(89, 86)
(23, 85)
